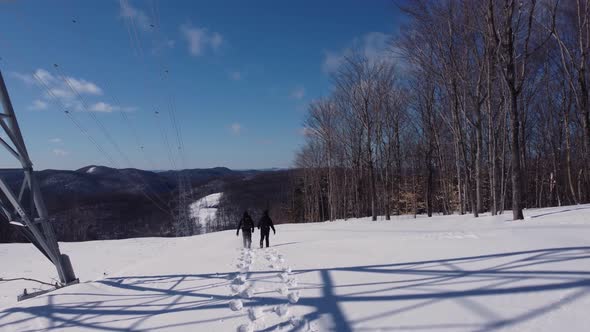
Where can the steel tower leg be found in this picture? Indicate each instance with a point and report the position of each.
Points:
(32, 214)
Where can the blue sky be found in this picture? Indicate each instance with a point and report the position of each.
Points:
(237, 75)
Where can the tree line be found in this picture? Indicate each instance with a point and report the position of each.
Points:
(479, 106)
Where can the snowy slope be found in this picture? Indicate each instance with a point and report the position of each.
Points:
(204, 210)
(452, 273)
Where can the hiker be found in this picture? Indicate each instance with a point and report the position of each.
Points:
(247, 226)
(264, 225)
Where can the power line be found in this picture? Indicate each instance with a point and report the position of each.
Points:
(43, 85)
(130, 126)
(184, 223)
(87, 133)
(165, 139)
(132, 29)
(82, 129)
(102, 127)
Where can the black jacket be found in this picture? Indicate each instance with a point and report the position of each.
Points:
(246, 224)
(265, 223)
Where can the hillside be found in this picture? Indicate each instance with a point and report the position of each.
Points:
(100, 203)
(452, 273)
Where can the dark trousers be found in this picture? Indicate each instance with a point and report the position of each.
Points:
(247, 236)
(264, 234)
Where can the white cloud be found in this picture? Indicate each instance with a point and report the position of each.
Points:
(56, 140)
(235, 75)
(66, 91)
(60, 152)
(216, 40)
(200, 39)
(374, 46)
(236, 128)
(102, 107)
(84, 87)
(45, 76)
(135, 15)
(298, 93)
(108, 108)
(38, 105)
(28, 79)
(60, 86)
(139, 22)
(332, 60)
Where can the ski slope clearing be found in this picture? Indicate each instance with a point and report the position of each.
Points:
(204, 210)
(447, 273)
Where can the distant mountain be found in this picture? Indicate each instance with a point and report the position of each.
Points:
(98, 202)
(200, 176)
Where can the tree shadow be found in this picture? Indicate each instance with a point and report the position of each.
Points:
(560, 211)
(284, 244)
(130, 303)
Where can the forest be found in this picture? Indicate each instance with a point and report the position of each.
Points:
(478, 106)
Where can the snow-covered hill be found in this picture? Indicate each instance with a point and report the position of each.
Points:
(451, 273)
(204, 210)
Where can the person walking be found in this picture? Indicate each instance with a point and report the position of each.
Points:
(247, 226)
(264, 225)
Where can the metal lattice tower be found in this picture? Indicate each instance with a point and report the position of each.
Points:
(184, 224)
(27, 209)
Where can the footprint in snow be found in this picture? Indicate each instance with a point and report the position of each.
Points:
(239, 280)
(236, 289)
(293, 297)
(247, 293)
(292, 283)
(246, 328)
(282, 310)
(298, 322)
(236, 305)
(284, 276)
(255, 313)
(283, 290)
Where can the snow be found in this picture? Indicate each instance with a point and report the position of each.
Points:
(204, 210)
(91, 170)
(452, 273)
(255, 313)
(236, 305)
(293, 297)
(282, 310)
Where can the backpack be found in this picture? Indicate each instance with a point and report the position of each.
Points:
(247, 224)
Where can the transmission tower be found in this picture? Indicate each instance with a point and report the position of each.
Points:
(27, 209)
(184, 224)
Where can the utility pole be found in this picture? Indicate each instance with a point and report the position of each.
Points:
(27, 209)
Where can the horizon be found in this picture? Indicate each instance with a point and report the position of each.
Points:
(171, 170)
(228, 83)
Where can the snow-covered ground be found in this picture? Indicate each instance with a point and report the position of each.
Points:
(452, 273)
(204, 210)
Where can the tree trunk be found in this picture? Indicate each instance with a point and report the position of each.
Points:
(515, 158)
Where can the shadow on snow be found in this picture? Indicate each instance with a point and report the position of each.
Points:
(127, 303)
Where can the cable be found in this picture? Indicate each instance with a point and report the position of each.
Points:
(131, 128)
(43, 85)
(90, 137)
(99, 147)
